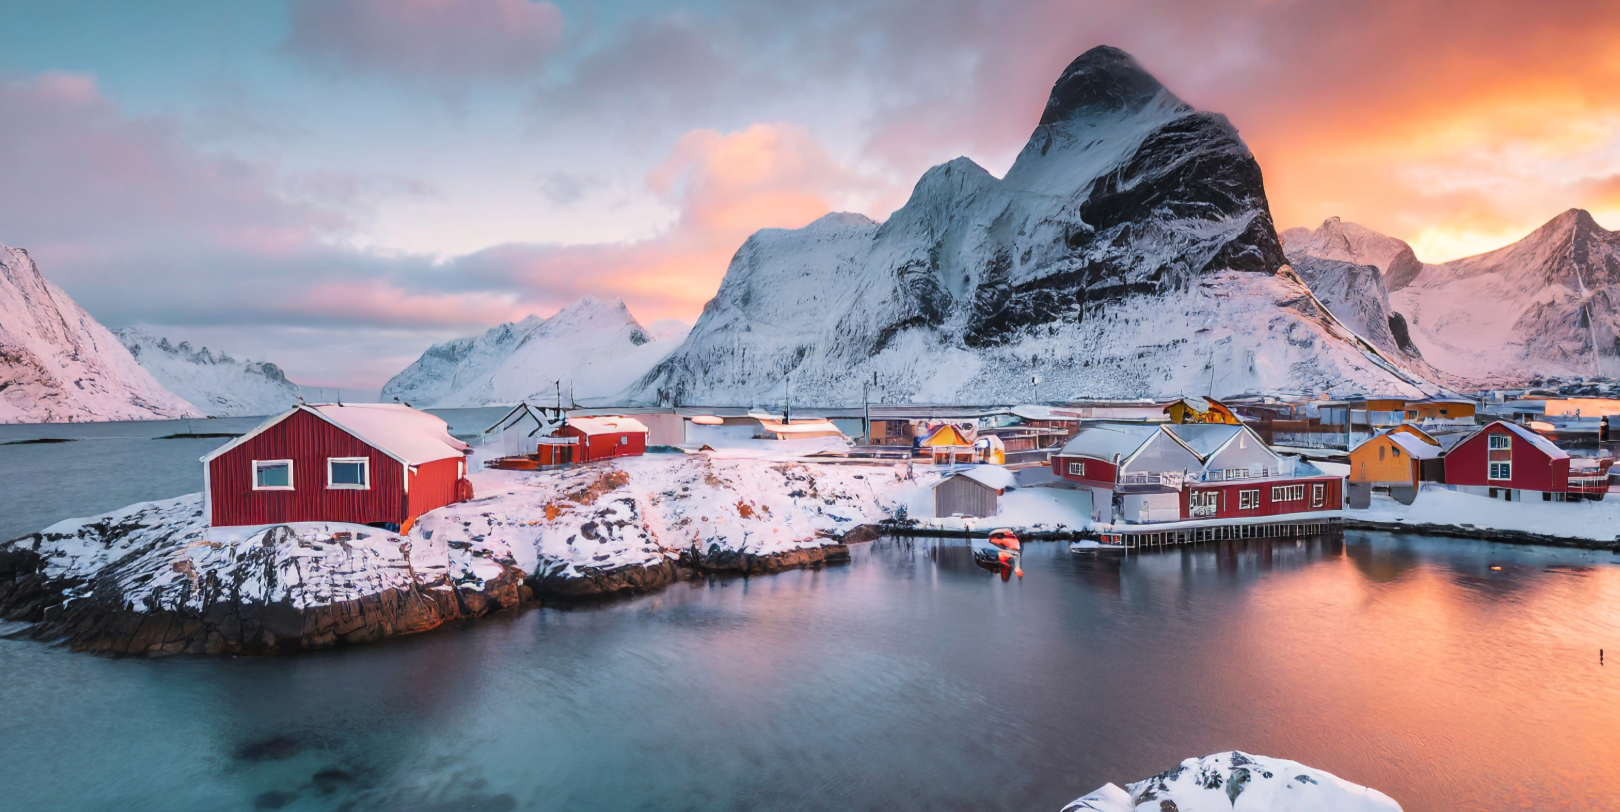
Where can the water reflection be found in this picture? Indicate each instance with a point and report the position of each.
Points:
(898, 681)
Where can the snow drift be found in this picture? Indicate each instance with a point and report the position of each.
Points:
(58, 364)
(218, 384)
(594, 347)
(1129, 251)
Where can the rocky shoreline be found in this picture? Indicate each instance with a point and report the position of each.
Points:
(154, 579)
(1483, 534)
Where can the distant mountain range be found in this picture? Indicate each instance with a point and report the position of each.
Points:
(58, 364)
(1128, 252)
(590, 351)
(217, 384)
(1546, 307)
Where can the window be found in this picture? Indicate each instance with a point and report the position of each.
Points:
(1287, 493)
(1380, 453)
(1077, 469)
(1235, 473)
(1501, 470)
(1202, 503)
(624, 439)
(1249, 500)
(1500, 442)
(1318, 493)
(1395, 449)
(272, 475)
(348, 473)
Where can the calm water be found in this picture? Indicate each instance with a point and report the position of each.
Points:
(907, 679)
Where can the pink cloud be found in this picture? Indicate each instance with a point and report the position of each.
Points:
(426, 38)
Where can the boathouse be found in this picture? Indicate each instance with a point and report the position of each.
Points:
(1398, 460)
(380, 464)
(600, 438)
(1504, 460)
(974, 492)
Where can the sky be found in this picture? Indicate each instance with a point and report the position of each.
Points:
(333, 185)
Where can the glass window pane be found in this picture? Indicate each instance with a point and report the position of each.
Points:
(274, 475)
(348, 473)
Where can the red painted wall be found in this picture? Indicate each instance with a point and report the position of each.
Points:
(308, 441)
(1227, 507)
(1098, 473)
(1533, 470)
(434, 485)
(606, 446)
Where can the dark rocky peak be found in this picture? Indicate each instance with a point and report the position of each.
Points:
(1103, 79)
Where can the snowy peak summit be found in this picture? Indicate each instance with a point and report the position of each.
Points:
(1349, 242)
(1103, 79)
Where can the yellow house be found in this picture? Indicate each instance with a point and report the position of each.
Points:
(946, 441)
(1440, 409)
(1395, 458)
(1200, 410)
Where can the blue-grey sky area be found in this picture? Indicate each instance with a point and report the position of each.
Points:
(334, 184)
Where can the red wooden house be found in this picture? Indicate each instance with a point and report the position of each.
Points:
(1505, 460)
(600, 438)
(379, 464)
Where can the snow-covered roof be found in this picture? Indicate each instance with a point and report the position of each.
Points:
(1542, 443)
(819, 426)
(518, 414)
(1204, 438)
(1414, 446)
(990, 476)
(1104, 441)
(607, 425)
(410, 436)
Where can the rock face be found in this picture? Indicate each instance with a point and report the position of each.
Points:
(218, 384)
(594, 347)
(58, 364)
(1129, 251)
(1237, 782)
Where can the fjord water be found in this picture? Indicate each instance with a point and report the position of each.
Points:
(906, 679)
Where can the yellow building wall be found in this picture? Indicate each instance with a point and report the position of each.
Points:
(1395, 466)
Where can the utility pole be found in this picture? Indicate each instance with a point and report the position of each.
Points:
(1034, 381)
(866, 404)
(787, 397)
(562, 418)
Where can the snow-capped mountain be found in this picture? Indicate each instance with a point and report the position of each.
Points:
(1357, 244)
(218, 384)
(1544, 307)
(1129, 251)
(1547, 306)
(594, 347)
(58, 364)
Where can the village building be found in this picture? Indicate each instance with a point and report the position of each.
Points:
(1141, 473)
(518, 431)
(1397, 461)
(1504, 460)
(379, 464)
(588, 439)
(1438, 409)
(806, 429)
(1200, 410)
(947, 442)
(973, 492)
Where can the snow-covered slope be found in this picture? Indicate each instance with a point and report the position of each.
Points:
(58, 364)
(218, 384)
(594, 347)
(1547, 306)
(1129, 251)
(1357, 244)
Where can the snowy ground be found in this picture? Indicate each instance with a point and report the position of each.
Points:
(1237, 782)
(1022, 509)
(1595, 521)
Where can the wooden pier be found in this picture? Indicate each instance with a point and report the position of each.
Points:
(1140, 537)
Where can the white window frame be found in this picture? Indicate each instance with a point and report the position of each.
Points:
(1318, 494)
(365, 468)
(1249, 499)
(1077, 468)
(1507, 471)
(286, 487)
(1287, 493)
(1507, 442)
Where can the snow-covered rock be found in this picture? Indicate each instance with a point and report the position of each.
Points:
(1358, 245)
(1237, 782)
(216, 383)
(1547, 306)
(1129, 251)
(593, 346)
(58, 364)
